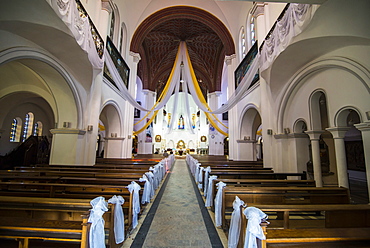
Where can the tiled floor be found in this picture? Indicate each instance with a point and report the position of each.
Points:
(178, 220)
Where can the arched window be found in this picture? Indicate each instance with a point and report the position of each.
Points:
(37, 129)
(28, 124)
(15, 130)
(242, 44)
(122, 40)
(111, 29)
(252, 27)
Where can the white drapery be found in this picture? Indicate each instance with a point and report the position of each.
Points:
(119, 221)
(254, 230)
(206, 175)
(218, 203)
(97, 234)
(235, 223)
(80, 27)
(209, 199)
(188, 84)
(145, 198)
(295, 19)
(134, 189)
(200, 177)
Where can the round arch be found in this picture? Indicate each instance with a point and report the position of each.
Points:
(318, 66)
(111, 117)
(175, 12)
(249, 122)
(52, 78)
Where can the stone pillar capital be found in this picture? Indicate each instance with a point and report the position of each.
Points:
(338, 132)
(314, 134)
(136, 56)
(363, 127)
(228, 59)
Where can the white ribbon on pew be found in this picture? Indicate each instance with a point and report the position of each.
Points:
(209, 199)
(254, 230)
(150, 176)
(200, 177)
(119, 221)
(155, 178)
(206, 175)
(134, 187)
(235, 223)
(218, 203)
(147, 190)
(196, 170)
(97, 234)
(196, 176)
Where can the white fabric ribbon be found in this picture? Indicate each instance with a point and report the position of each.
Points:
(218, 203)
(294, 21)
(147, 190)
(80, 27)
(119, 220)
(150, 177)
(235, 223)
(254, 230)
(209, 199)
(97, 234)
(200, 177)
(206, 175)
(134, 189)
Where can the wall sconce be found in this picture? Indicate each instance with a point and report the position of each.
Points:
(90, 128)
(286, 130)
(269, 131)
(129, 137)
(67, 124)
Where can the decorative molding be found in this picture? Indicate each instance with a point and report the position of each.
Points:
(67, 131)
(258, 9)
(229, 58)
(114, 138)
(136, 56)
(246, 141)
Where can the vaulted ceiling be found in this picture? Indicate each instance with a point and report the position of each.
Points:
(158, 37)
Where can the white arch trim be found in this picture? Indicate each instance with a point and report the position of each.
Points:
(117, 107)
(244, 111)
(317, 66)
(18, 53)
(341, 115)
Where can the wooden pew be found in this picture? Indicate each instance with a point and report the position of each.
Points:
(342, 223)
(27, 218)
(281, 196)
(260, 183)
(54, 219)
(229, 173)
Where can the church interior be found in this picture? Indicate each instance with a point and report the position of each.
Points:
(265, 105)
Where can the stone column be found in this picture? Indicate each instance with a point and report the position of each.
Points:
(215, 144)
(365, 132)
(233, 117)
(128, 114)
(67, 147)
(113, 147)
(315, 137)
(340, 154)
(248, 148)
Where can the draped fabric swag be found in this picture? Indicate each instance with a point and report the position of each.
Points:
(119, 223)
(183, 67)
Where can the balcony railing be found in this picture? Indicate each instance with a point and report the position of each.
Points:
(291, 22)
(119, 63)
(74, 15)
(98, 41)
